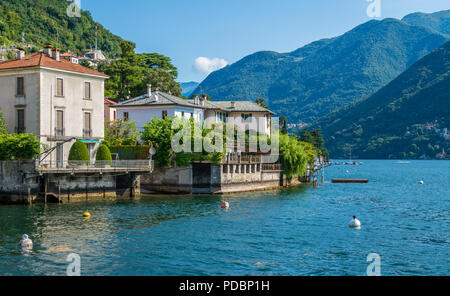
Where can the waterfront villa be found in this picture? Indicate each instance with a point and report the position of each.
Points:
(157, 104)
(54, 99)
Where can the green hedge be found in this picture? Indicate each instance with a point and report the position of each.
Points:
(79, 154)
(104, 155)
(18, 147)
(131, 152)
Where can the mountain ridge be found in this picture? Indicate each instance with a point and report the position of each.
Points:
(391, 122)
(313, 80)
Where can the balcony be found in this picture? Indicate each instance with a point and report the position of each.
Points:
(60, 132)
(20, 130)
(87, 133)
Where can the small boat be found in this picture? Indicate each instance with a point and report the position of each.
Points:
(349, 180)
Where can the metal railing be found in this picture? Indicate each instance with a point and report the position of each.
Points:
(20, 130)
(87, 133)
(60, 131)
(80, 165)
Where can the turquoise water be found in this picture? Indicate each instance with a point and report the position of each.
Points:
(298, 231)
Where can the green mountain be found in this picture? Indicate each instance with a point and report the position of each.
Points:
(400, 120)
(438, 21)
(47, 22)
(326, 75)
(188, 87)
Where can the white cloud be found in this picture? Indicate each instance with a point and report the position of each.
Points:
(207, 65)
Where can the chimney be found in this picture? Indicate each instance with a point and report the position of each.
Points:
(20, 53)
(48, 50)
(196, 99)
(56, 55)
(149, 90)
(233, 104)
(203, 99)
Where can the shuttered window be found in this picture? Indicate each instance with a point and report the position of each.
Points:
(87, 125)
(59, 87)
(20, 121)
(60, 123)
(87, 90)
(20, 86)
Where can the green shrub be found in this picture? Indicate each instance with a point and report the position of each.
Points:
(131, 152)
(79, 154)
(18, 147)
(104, 155)
(3, 127)
(183, 159)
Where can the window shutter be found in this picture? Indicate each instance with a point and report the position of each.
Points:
(20, 86)
(87, 90)
(20, 121)
(59, 87)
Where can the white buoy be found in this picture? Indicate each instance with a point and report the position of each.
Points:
(354, 223)
(26, 242)
(421, 182)
(225, 205)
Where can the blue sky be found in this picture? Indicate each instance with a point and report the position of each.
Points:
(201, 35)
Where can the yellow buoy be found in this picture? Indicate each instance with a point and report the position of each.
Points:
(86, 214)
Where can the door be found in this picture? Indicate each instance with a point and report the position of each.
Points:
(201, 175)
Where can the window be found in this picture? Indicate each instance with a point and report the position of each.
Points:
(59, 87)
(59, 130)
(20, 86)
(192, 114)
(20, 121)
(87, 90)
(246, 117)
(114, 115)
(164, 114)
(126, 116)
(182, 114)
(87, 131)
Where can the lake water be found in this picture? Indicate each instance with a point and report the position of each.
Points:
(297, 231)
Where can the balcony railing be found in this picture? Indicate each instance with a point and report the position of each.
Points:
(103, 165)
(271, 167)
(20, 130)
(60, 132)
(242, 159)
(87, 133)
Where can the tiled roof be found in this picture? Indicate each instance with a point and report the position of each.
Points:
(241, 106)
(40, 59)
(157, 98)
(166, 99)
(108, 102)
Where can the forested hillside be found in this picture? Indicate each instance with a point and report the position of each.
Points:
(404, 119)
(46, 22)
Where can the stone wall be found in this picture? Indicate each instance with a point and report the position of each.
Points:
(168, 180)
(223, 179)
(18, 183)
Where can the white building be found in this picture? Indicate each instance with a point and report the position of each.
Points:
(244, 114)
(54, 99)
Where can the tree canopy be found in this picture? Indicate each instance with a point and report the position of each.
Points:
(132, 72)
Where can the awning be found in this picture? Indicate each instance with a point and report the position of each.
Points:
(90, 141)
